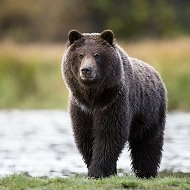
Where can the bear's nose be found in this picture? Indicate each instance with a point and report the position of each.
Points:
(87, 71)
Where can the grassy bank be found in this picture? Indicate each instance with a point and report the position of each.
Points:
(30, 75)
(22, 182)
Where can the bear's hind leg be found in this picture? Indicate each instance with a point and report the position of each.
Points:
(146, 152)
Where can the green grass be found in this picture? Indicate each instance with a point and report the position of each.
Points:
(30, 74)
(22, 182)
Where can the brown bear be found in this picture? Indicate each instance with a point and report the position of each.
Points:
(114, 99)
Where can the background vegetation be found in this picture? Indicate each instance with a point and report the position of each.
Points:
(50, 20)
(33, 33)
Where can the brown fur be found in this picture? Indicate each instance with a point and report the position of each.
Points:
(114, 99)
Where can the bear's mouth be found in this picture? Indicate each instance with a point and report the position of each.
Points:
(90, 80)
(87, 76)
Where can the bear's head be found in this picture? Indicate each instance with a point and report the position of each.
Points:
(92, 60)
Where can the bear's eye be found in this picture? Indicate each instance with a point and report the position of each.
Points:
(96, 55)
(81, 55)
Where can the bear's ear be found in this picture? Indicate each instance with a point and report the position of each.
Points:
(74, 35)
(107, 35)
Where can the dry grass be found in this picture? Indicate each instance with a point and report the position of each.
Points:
(171, 57)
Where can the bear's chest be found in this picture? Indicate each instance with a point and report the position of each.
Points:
(94, 100)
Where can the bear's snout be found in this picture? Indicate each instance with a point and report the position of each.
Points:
(87, 73)
(88, 69)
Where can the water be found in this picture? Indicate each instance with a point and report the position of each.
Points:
(41, 144)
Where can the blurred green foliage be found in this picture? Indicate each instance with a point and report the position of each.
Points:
(30, 75)
(30, 81)
(48, 20)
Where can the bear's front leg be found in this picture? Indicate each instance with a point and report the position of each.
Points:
(82, 128)
(110, 131)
